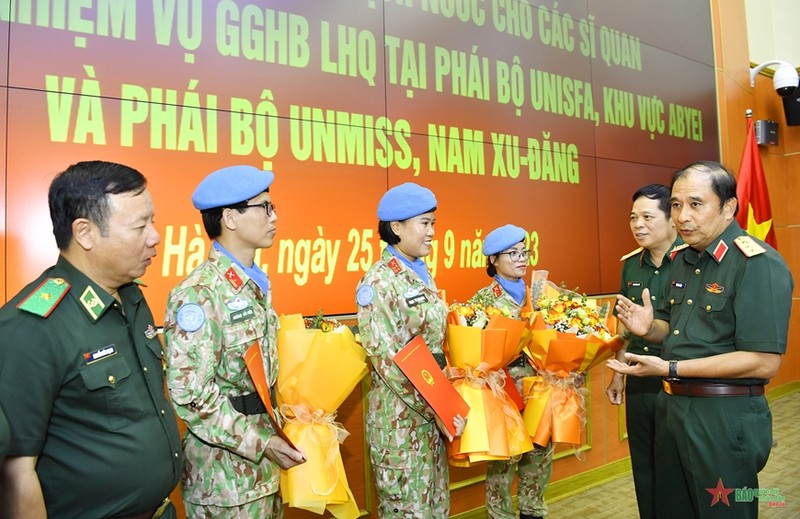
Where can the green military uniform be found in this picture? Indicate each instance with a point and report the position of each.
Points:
(533, 467)
(640, 272)
(5, 436)
(82, 385)
(406, 449)
(213, 317)
(734, 296)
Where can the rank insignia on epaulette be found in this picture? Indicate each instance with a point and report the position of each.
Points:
(632, 253)
(92, 303)
(749, 246)
(45, 298)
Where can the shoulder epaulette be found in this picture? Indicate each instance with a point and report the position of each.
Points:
(676, 249)
(45, 298)
(632, 253)
(749, 246)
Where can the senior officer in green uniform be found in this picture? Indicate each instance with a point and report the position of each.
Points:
(507, 264)
(645, 267)
(722, 331)
(224, 306)
(81, 376)
(398, 300)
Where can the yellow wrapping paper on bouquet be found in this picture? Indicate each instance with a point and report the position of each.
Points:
(555, 402)
(317, 371)
(494, 429)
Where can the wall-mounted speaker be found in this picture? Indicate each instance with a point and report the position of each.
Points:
(791, 107)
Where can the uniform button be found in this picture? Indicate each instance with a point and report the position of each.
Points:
(112, 379)
(656, 272)
(653, 298)
(646, 348)
(697, 271)
(633, 298)
(672, 301)
(162, 412)
(689, 301)
(708, 308)
(145, 369)
(676, 332)
(176, 455)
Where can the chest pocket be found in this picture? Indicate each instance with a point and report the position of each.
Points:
(111, 394)
(714, 316)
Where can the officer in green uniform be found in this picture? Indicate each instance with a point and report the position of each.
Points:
(5, 436)
(723, 331)
(397, 301)
(224, 307)
(82, 384)
(507, 264)
(646, 267)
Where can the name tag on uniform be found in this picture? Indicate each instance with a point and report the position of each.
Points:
(415, 297)
(678, 284)
(100, 354)
(242, 315)
(634, 283)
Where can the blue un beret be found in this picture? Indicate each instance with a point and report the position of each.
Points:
(405, 201)
(230, 186)
(502, 238)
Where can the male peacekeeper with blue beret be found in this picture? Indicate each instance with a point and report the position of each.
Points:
(233, 455)
(81, 374)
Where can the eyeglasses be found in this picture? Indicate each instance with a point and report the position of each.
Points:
(516, 255)
(268, 207)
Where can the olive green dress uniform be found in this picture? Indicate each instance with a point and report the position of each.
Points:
(213, 316)
(734, 296)
(407, 451)
(639, 272)
(82, 385)
(533, 467)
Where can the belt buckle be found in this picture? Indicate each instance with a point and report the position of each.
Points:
(667, 382)
(161, 508)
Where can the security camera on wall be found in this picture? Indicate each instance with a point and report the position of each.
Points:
(784, 80)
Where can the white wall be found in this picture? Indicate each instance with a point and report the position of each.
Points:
(773, 30)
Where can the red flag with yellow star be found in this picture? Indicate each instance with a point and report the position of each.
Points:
(755, 213)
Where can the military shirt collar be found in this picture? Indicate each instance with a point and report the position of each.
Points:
(720, 247)
(233, 274)
(93, 299)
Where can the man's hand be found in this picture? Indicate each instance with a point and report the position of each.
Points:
(641, 366)
(459, 423)
(280, 453)
(616, 389)
(638, 319)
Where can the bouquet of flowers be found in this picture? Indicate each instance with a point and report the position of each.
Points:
(571, 335)
(320, 364)
(481, 341)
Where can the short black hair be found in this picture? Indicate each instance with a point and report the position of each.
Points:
(723, 183)
(81, 191)
(658, 192)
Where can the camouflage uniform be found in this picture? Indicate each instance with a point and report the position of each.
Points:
(534, 467)
(224, 449)
(406, 449)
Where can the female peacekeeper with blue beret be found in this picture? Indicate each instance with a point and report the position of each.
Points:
(507, 264)
(398, 300)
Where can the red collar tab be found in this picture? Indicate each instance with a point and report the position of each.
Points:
(395, 266)
(497, 290)
(233, 278)
(720, 250)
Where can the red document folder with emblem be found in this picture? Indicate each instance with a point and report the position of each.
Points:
(416, 361)
(252, 359)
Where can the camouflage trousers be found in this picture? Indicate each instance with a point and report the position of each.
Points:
(269, 507)
(411, 472)
(534, 468)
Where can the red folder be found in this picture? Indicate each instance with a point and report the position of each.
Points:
(252, 359)
(416, 361)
